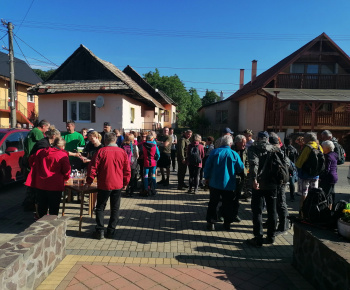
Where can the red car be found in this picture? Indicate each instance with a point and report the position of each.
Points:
(11, 155)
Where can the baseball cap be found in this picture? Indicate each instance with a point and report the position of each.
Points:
(263, 134)
(227, 130)
(106, 124)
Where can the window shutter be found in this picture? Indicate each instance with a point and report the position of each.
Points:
(93, 112)
(65, 111)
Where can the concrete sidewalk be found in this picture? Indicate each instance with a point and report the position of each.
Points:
(161, 243)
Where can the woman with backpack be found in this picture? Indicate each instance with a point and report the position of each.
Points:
(132, 152)
(329, 177)
(195, 154)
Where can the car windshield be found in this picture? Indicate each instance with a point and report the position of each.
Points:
(2, 136)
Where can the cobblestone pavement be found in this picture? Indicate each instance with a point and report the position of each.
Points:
(161, 243)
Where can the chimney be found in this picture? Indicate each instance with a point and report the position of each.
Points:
(241, 78)
(254, 65)
(221, 95)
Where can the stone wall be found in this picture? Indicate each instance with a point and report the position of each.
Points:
(32, 255)
(322, 257)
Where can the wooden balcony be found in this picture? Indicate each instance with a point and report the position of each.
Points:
(313, 81)
(291, 119)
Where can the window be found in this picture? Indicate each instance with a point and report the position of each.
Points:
(79, 111)
(30, 98)
(327, 69)
(300, 68)
(312, 69)
(166, 116)
(326, 107)
(293, 106)
(132, 115)
(297, 68)
(221, 116)
(14, 140)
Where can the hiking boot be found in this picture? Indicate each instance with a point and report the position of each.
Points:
(110, 234)
(166, 182)
(185, 186)
(281, 232)
(210, 227)
(189, 191)
(227, 226)
(195, 191)
(255, 242)
(180, 188)
(161, 181)
(237, 219)
(98, 235)
(269, 240)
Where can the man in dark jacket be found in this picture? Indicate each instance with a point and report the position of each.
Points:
(239, 147)
(263, 188)
(181, 159)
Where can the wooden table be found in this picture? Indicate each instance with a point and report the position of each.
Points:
(82, 191)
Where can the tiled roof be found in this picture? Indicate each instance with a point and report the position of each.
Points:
(159, 95)
(263, 79)
(23, 72)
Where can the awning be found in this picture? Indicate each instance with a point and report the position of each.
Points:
(310, 94)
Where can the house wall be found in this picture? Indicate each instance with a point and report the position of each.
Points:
(172, 122)
(252, 113)
(210, 114)
(129, 103)
(51, 109)
(22, 105)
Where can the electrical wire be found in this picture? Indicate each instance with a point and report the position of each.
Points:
(22, 52)
(36, 51)
(31, 4)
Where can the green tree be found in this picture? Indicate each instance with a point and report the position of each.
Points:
(195, 104)
(175, 89)
(44, 75)
(210, 97)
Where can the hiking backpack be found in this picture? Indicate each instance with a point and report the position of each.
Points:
(340, 151)
(129, 152)
(315, 163)
(315, 208)
(275, 168)
(194, 157)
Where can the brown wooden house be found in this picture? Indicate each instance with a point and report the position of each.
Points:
(308, 90)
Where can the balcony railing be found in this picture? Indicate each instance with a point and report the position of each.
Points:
(19, 107)
(313, 81)
(291, 118)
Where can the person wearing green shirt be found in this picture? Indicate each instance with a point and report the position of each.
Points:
(34, 136)
(73, 141)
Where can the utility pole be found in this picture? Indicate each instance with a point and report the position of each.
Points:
(12, 103)
(12, 92)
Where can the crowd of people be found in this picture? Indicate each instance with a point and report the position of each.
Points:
(231, 167)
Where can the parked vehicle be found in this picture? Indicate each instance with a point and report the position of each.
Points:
(11, 155)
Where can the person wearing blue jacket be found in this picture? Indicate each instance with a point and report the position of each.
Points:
(220, 172)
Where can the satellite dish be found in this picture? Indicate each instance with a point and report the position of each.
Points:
(99, 102)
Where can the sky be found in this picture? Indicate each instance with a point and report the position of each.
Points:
(204, 42)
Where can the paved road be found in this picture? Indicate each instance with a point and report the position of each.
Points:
(161, 233)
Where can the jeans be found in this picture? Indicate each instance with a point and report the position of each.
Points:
(102, 198)
(147, 171)
(194, 176)
(282, 209)
(48, 200)
(258, 197)
(227, 197)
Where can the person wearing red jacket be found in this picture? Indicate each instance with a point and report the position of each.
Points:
(50, 168)
(111, 166)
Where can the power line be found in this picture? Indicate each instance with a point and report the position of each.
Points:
(173, 33)
(36, 51)
(25, 15)
(22, 52)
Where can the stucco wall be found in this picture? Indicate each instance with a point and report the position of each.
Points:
(129, 103)
(252, 113)
(51, 108)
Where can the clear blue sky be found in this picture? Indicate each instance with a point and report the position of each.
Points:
(204, 42)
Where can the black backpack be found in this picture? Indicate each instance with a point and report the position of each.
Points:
(194, 157)
(340, 151)
(275, 168)
(315, 163)
(315, 208)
